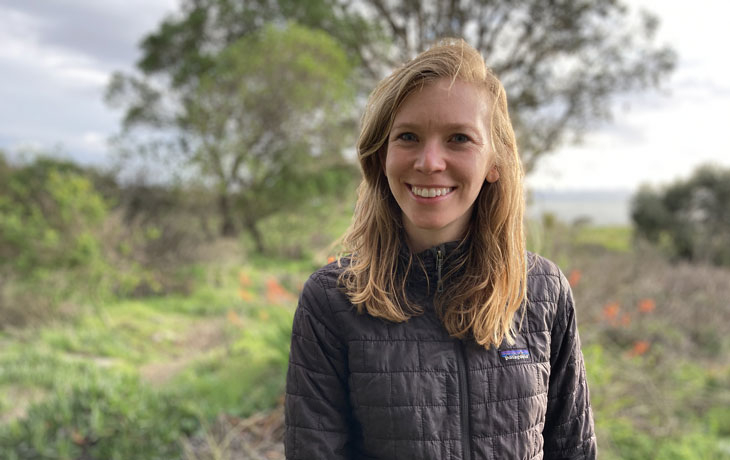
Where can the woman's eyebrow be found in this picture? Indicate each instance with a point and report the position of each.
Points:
(460, 127)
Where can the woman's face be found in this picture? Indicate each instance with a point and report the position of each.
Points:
(438, 158)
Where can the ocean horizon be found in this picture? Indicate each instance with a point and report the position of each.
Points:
(597, 207)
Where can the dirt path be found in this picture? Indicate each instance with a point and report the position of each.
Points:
(201, 337)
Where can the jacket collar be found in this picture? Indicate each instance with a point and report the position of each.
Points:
(428, 267)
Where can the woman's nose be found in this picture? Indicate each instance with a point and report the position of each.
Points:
(430, 159)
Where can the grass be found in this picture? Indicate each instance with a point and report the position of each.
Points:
(612, 238)
(229, 337)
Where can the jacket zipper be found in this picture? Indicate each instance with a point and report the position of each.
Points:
(461, 364)
(439, 264)
(463, 400)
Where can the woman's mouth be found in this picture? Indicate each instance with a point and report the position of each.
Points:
(430, 192)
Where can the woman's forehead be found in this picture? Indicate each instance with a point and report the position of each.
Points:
(444, 104)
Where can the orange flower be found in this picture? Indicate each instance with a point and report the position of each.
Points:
(640, 347)
(275, 292)
(647, 305)
(611, 310)
(574, 277)
(330, 259)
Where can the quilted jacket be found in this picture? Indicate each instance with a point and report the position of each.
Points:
(359, 387)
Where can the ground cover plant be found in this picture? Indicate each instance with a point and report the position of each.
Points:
(139, 377)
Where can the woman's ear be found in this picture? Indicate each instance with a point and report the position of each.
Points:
(493, 175)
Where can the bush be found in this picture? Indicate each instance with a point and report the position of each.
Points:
(50, 219)
(690, 219)
(101, 416)
(49, 213)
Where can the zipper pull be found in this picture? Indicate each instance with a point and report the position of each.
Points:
(439, 264)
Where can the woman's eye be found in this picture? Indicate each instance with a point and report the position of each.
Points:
(408, 137)
(459, 138)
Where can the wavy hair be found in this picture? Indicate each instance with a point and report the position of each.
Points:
(486, 283)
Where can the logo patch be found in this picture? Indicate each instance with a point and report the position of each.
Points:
(515, 354)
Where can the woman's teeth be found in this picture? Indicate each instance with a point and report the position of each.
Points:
(430, 192)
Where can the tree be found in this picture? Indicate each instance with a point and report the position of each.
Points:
(690, 218)
(263, 122)
(561, 61)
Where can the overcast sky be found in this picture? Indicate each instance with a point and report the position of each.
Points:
(56, 57)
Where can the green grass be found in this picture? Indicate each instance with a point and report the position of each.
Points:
(130, 332)
(241, 370)
(614, 238)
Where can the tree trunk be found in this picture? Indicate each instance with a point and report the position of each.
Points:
(228, 229)
(258, 239)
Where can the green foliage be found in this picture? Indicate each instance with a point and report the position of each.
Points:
(633, 417)
(183, 48)
(49, 217)
(100, 415)
(554, 66)
(690, 219)
(264, 122)
(259, 120)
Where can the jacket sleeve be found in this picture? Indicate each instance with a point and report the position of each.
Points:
(317, 408)
(568, 431)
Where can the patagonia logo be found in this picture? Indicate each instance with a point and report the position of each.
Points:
(515, 354)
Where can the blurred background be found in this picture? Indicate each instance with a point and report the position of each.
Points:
(172, 171)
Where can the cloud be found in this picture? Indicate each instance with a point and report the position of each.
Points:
(56, 59)
(107, 31)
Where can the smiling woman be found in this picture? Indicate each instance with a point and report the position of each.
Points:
(438, 336)
(437, 160)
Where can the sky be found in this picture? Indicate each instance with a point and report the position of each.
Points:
(56, 58)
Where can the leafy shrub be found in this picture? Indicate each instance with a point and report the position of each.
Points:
(50, 218)
(691, 218)
(100, 416)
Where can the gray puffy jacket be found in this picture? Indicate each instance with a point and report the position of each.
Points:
(359, 387)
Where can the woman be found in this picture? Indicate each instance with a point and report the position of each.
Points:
(439, 337)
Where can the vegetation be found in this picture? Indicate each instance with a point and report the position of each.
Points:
(656, 347)
(264, 120)
(689, 219)
(560, 64)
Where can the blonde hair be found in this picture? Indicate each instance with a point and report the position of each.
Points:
(486, 284)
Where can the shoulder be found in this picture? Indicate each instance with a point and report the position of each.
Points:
(327, 277)
(322, 295)
(549, 298)
(545, 281)
(325, 281)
